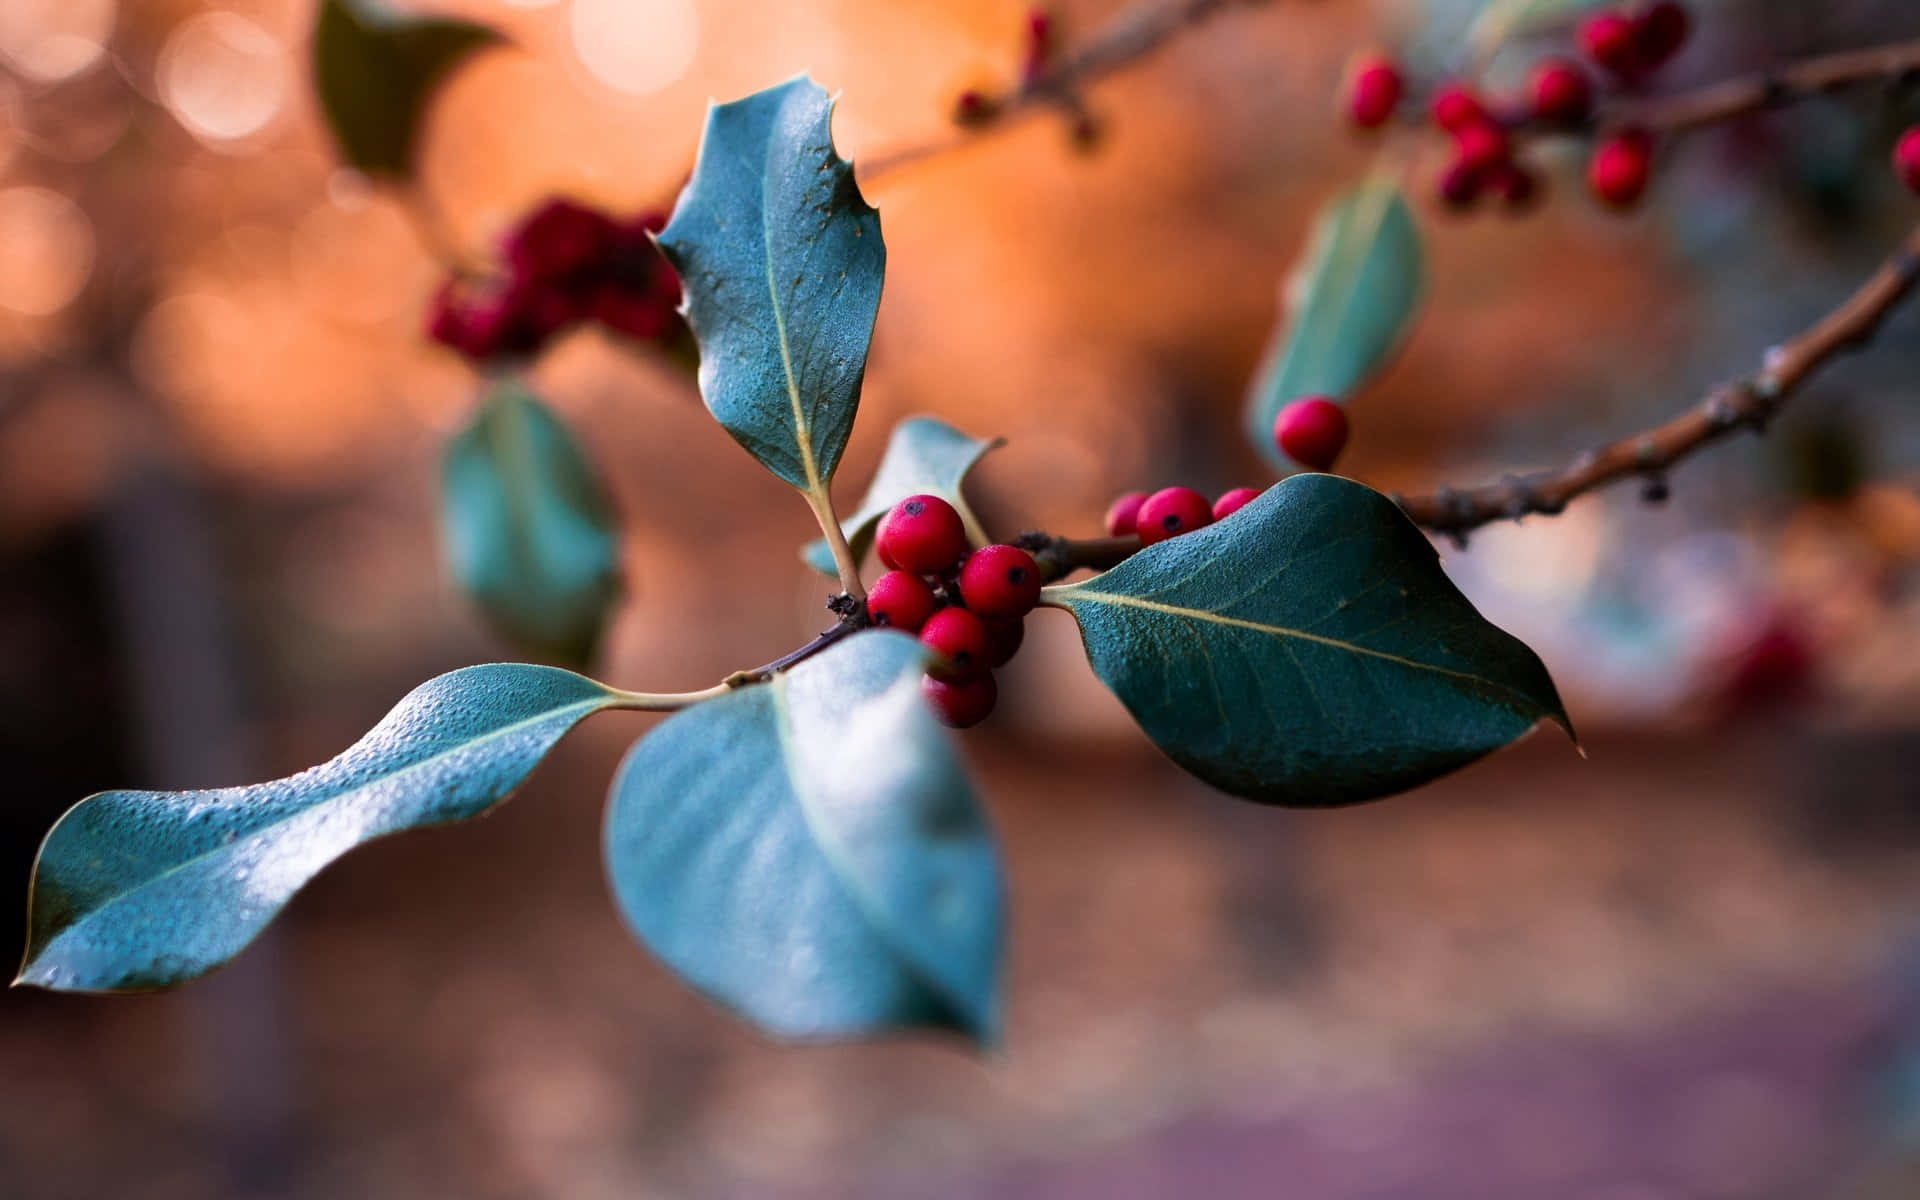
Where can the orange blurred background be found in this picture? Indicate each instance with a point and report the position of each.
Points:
(1682, 966)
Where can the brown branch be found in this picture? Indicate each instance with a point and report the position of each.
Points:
(1131, 37)
(1766, 89)
(1747, 403)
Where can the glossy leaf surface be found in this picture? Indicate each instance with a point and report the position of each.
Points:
(141, 890)
(375, 70)
(923, 456)
(528, 533)
(1308, 650)
(809, 853)
(1347, 307)
(781, 262)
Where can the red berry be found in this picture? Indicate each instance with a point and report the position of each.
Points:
(1618, 171)
(558, 239)
(1000, 582)
(1480, 147)
(900, 600)
(1373, 91)
(1560, 92)
(1661, 31)
(1232, 502)
(636, 314)
(1312, 432)
(1003, 640)
(963, 704)
(1170, 512)
(483, 322)
(1906, 158)
(1458, 186)
(922, 534)
(1455, 107)
(1517, 187)
(1612, 40)
(1124, 512)
(972, 107)
(960, 641)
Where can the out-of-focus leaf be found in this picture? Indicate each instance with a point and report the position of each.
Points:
(808, 852)
(375, 70)
(1348, 306)
(924, 456)
(528, 533)
(781, 262)
(1308, 650)
(141, 890)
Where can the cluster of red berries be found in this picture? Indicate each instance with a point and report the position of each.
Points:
(1171, 512)
(969, 608)
(1628, 44)
(564, 264)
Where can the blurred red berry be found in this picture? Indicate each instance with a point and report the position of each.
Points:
(1560, 92)
(1480, 147)
(963, 704)
(1170, 512)
(1660, 32)
(1312, 432)
(1906, 158)
(1000, 582)
(1232, 502)
(1617, 173)
(1458, 186)
(1612, 40)
(922, 534)
(1455, 106)
(1039, 45)
(559, 239)
(481, 322)
(1124, 512)
(900, 600)
(960, 642)
(1517, 187)
(972, 106)
(1003, 640)
(642, 316)
(1373, 91)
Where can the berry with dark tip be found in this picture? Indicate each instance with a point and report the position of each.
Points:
(1232, 502)
(1560, 92)
(1612, 40)
(1517, 187)
(1480, 147)
(900, 600)
(1000, 582)
(961, 704)
(1312, 432)
(1373, 91)
(1123, 513)
(922, 534)
(1170, 512)
(960, 643)
(1457, 187)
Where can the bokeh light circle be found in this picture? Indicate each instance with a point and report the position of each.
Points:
(46, 250)
(635, 46)
(223, 76)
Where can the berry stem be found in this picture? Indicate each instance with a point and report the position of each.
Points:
(665, 701)
(822, 505)
(1747, 403)
(1795, 81)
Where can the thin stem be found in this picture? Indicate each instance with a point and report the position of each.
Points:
(665, 701)
(1131, 37)
(822, 505)
(850, 624)
(1747, 403)
(1765, 89)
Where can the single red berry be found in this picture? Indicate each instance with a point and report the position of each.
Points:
(1618, 171)
(1661, 31)
(636, 314)
(1170, 512)
(963, 704)
(1612, 40)
(1560, 92)
(1455, 106)
(1123, 513)
(900, 600)
(558, 239)
(1480, 147)
(1003, 640)
(973, 107)
(1906, 158)
(1373, 91)
(1312, 432)
(482, 322)
(1039, 45)
(922, 534)
(959, 640)
(1232, 502)
(1000, 582)
(1517, 187)
(1458, 186)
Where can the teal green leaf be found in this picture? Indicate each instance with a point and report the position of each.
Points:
(1307, 650)
(1349, 305)
(781, 262)
(528, 534)
(924, 456)
(141, 890)
(808, 852)
(375, 70)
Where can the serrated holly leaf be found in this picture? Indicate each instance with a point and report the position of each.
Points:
(1347, 306)
(528, 533)
(141, 890)
(781, 261)
(1307, 650)
(375, 70)
(923, 456)
(808, 852)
